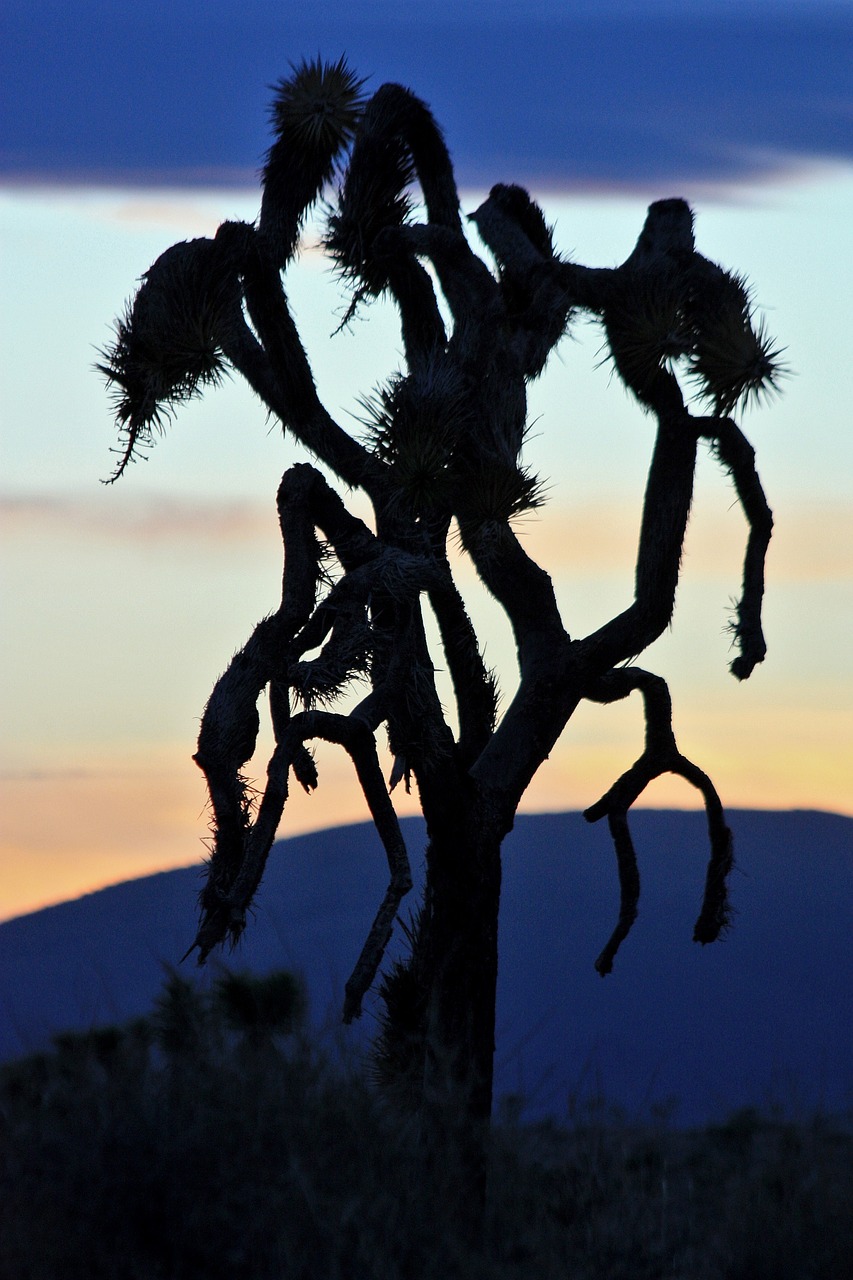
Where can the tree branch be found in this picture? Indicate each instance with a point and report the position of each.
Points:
(534, 292)
(225, 906)
(521, 587)
(661, 755)
(738, 456)
(666, 507)
(468, 286)
(298, 404)
(474, 685)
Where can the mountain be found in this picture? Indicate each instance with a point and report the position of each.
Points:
(762, 1017)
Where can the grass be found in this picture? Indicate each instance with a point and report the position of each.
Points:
(213, 1139)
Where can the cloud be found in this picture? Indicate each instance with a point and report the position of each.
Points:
(195, 213)
(596, 97)
(46, 775)
(813, 541)
(145, 521)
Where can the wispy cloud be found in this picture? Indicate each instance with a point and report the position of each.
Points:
(47, 775)
(141, 520)
(812, 541)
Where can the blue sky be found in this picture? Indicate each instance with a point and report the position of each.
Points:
(133, 127)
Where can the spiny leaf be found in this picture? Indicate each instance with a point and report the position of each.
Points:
(318, 106)
(646, 329)
(314, 113)
(166, 348)
(734, 360)
(498, 492)
(736, 363)
(414, 424)
(373, 198)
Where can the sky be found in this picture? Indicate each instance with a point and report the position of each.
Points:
(132, 127)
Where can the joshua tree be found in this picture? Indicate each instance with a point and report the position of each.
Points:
(440, 460)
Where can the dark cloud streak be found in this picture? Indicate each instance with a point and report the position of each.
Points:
(606, 101)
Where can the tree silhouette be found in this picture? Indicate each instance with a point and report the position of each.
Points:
(440, 460)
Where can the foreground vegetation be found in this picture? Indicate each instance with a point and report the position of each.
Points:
(213, 1139)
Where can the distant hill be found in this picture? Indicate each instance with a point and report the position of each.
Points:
(762, 1017)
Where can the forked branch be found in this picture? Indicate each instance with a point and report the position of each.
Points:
(661, 755)
(224, 905)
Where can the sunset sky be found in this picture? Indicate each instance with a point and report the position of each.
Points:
(130, 130)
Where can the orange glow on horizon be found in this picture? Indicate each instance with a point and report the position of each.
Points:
(68, 834)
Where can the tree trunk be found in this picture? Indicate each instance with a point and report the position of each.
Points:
(459, 938)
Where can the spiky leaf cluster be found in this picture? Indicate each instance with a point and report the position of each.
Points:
(646, 329)
(373, 199)
(167, 344)
(415, 424)
(655, 321)
(317, 107)
(314, 114)
(734, 359)
(498, 492)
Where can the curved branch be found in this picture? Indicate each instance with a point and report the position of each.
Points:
(522, 588)
(469, 287)
(396, 140)
(629, 890)
(295, 400)
(666, 507)
(352, 734)
(661, 755)
(224, 907)
(738, 457)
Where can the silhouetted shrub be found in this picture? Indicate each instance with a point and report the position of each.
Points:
(262, 1007)
(162, 1150)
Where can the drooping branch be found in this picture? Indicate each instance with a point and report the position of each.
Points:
(397, 139)
(629, 890)
(661, 755)
(738, 456)
(230, 724)
(339, 626)
(224, 906)
(355, 736)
